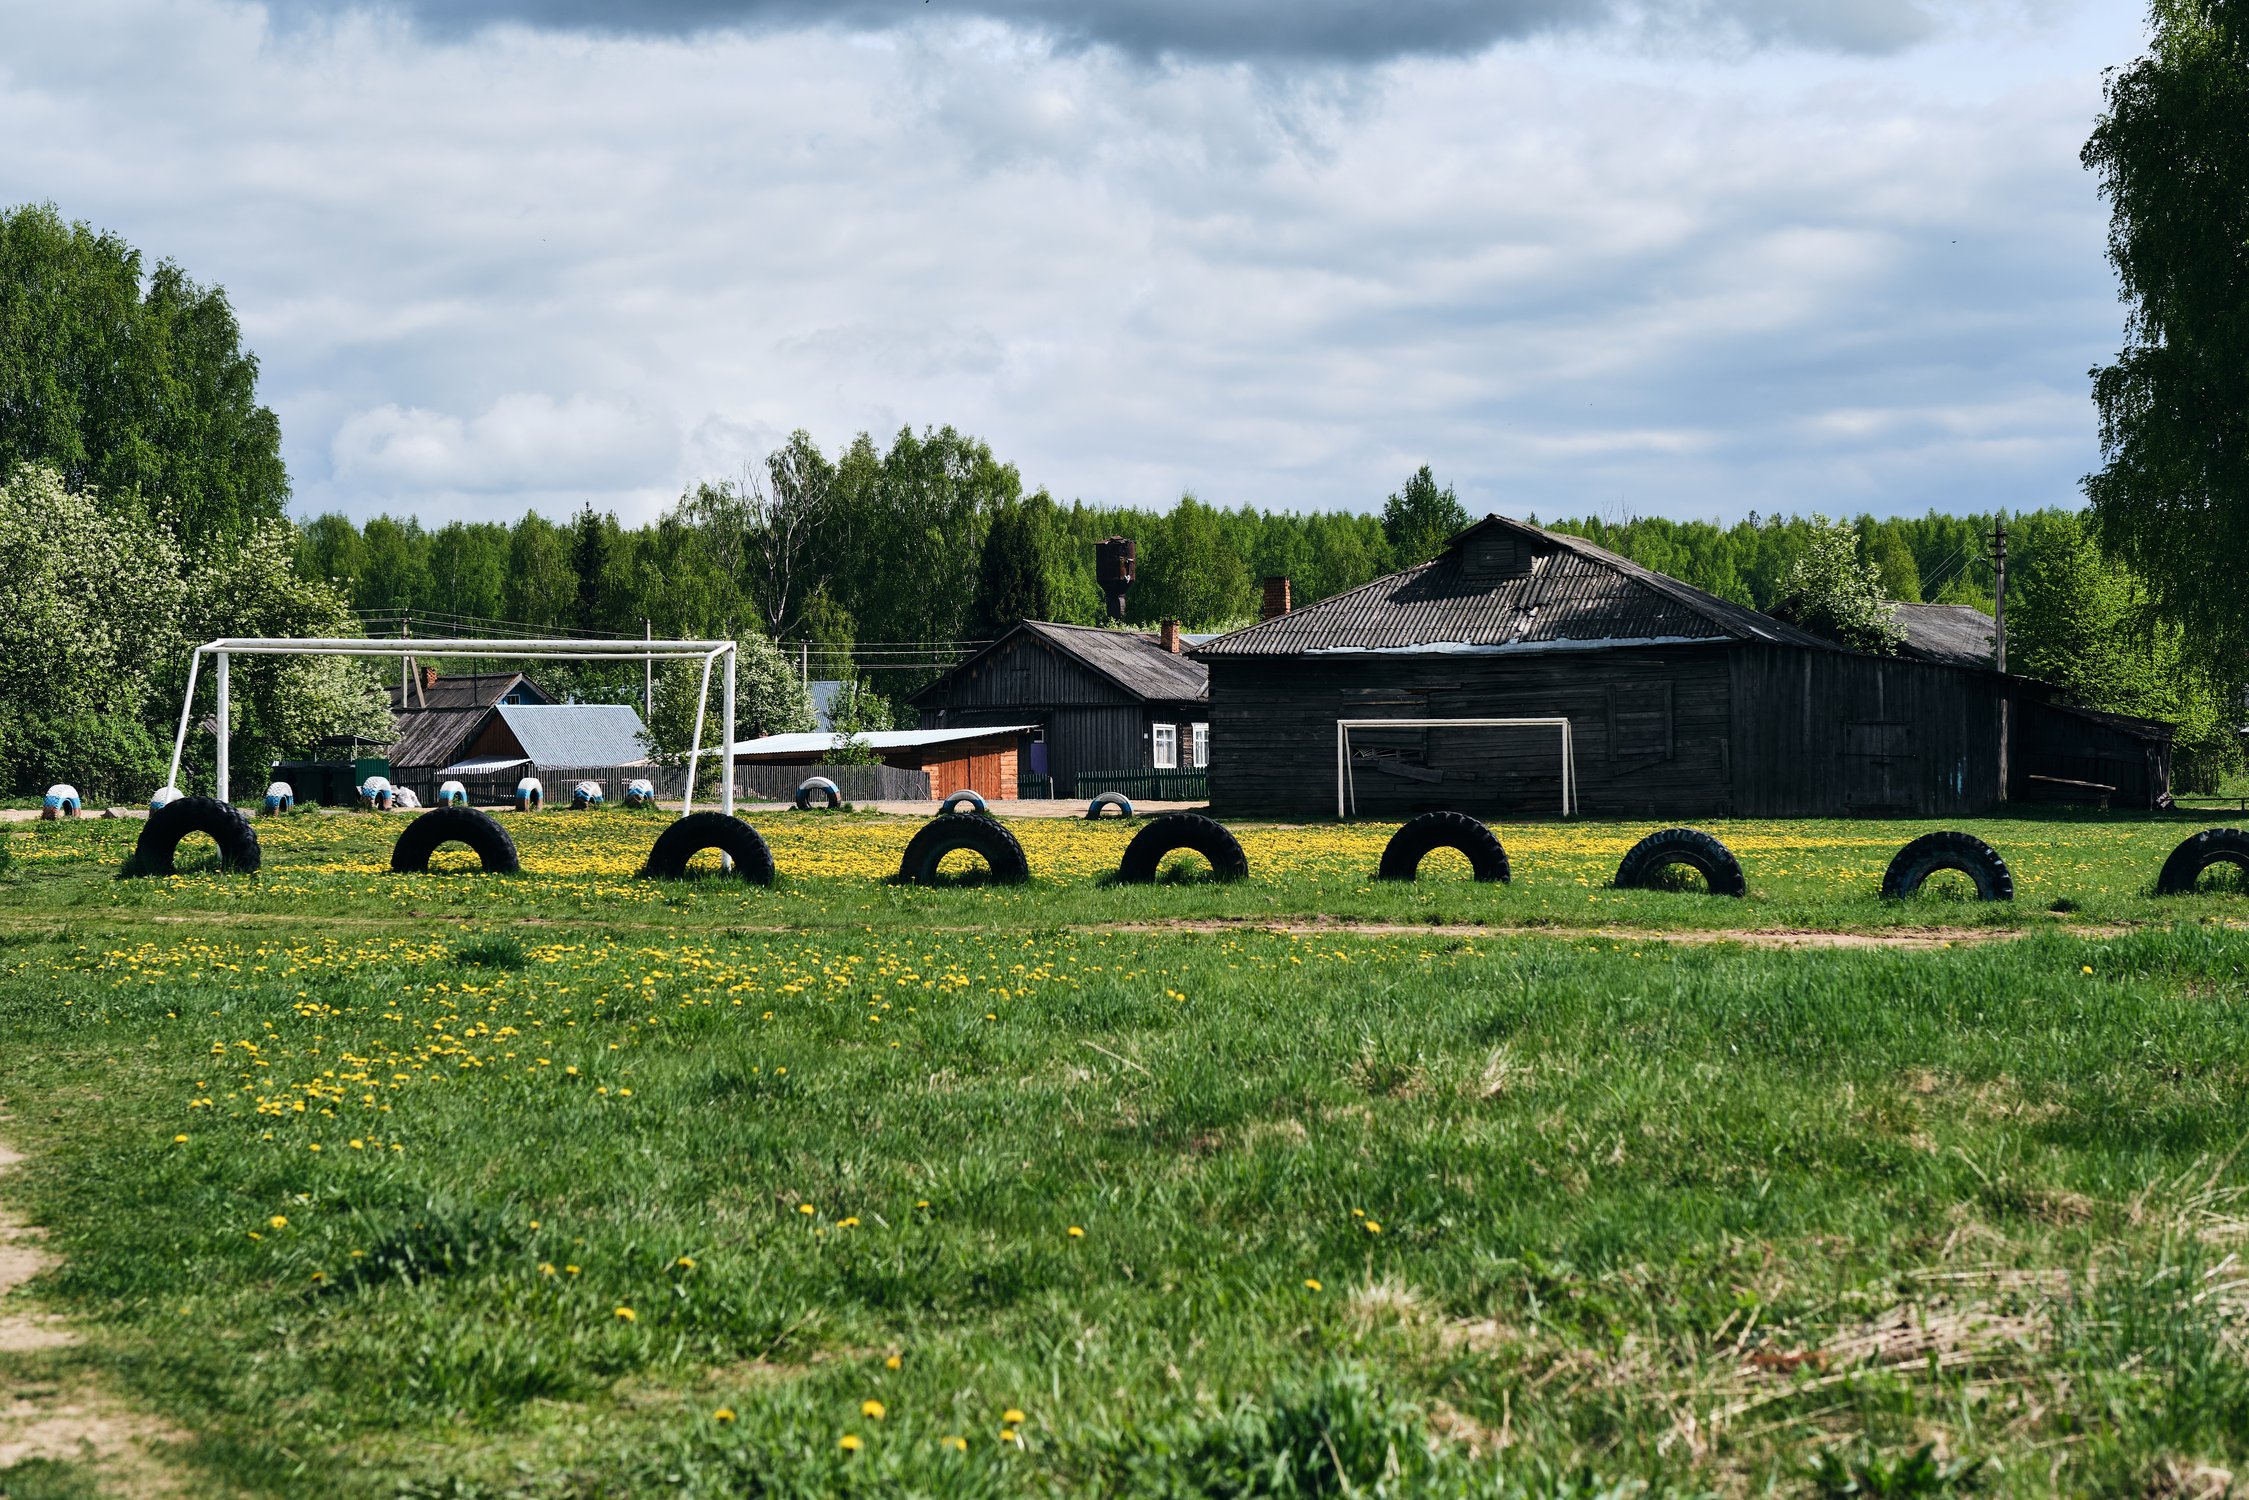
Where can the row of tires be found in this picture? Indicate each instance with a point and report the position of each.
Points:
(1646, 866)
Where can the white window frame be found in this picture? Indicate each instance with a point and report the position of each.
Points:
(1199, 738)
(1163, 746)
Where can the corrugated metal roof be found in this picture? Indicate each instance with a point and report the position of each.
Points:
(782, 746)
(1958, 635)
(1574, 595)
(576, 734)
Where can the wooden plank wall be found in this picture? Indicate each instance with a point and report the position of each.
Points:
(1835, 734)
(2049, 742)
(990, 774)
(1273, 732)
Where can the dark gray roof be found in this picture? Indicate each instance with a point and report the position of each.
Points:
(1132, 659)
(576, 734)
(434, 736)
(1958, 635)
(1572, 595)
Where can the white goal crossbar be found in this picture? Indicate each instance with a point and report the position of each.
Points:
(708, 652)
(1346, 782)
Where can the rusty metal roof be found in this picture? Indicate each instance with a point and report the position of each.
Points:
(1571, 595)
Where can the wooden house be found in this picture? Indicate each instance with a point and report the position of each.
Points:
(1100, 702)
(1681, 704)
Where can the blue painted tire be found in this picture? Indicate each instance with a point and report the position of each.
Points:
(817, 786)
(1117, 800)
(974, 801)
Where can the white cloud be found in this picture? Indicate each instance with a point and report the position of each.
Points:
(522, 267)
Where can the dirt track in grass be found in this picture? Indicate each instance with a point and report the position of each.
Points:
(1753, 937)
(61, 1416)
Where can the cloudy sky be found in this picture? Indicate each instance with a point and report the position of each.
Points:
(1678, 257)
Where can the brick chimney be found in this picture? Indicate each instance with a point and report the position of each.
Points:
(1276, 600)
(1170, 636)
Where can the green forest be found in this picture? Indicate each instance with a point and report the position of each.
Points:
(129, 421)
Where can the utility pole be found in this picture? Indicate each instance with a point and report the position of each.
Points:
(804, 661)
(405, 668)
(1999, 640)
(648, 674)
(1999, 601)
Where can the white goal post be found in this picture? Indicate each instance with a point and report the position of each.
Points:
(1346, 783)
(708, 652)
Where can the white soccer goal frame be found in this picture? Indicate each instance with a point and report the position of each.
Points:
(1347, 782)
(522, 649)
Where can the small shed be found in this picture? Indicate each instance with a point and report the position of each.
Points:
(983, 760)
(1099, 702)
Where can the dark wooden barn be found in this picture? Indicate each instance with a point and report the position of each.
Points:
(1681, 704)
(1106, 702)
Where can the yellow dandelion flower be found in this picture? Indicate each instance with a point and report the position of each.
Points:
(723, 1414)
(892, 1363)
(1012, 1417)
(957, 1444)
(179, 1140)
(546, 1268)
(687, 1262)
(849, 1442)
(278, 1222)
(1370, 1226)
(872, 1408)
(850, 1223)
(804, 1208)
(627, 1315)
(1311, 1283)
(569, 1270)
(1007, 1435)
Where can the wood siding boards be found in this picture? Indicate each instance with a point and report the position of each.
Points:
(1273, 733)
(1839, 734)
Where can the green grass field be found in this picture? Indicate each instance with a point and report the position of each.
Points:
(568, 1185)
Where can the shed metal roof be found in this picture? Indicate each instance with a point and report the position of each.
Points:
(791, 746)
(576, 734)
(1574, 596)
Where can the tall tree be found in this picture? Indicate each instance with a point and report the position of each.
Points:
(133, 384)
(1419, 518)
(1011, 579)
(2172, 155)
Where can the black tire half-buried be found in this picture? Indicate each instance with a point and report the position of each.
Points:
(1169, 833)
(980, 833)
(1949, 850)
(820, 787)
(175, 820)
(2212, 846)
(1430, 831)
(689, 836)
(454, 825)
(1691, 847)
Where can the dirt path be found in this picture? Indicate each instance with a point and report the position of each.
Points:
(1752, 937)
(66, 1418)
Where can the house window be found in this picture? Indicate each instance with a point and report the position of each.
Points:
(1167, 747)
(1201, 746)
